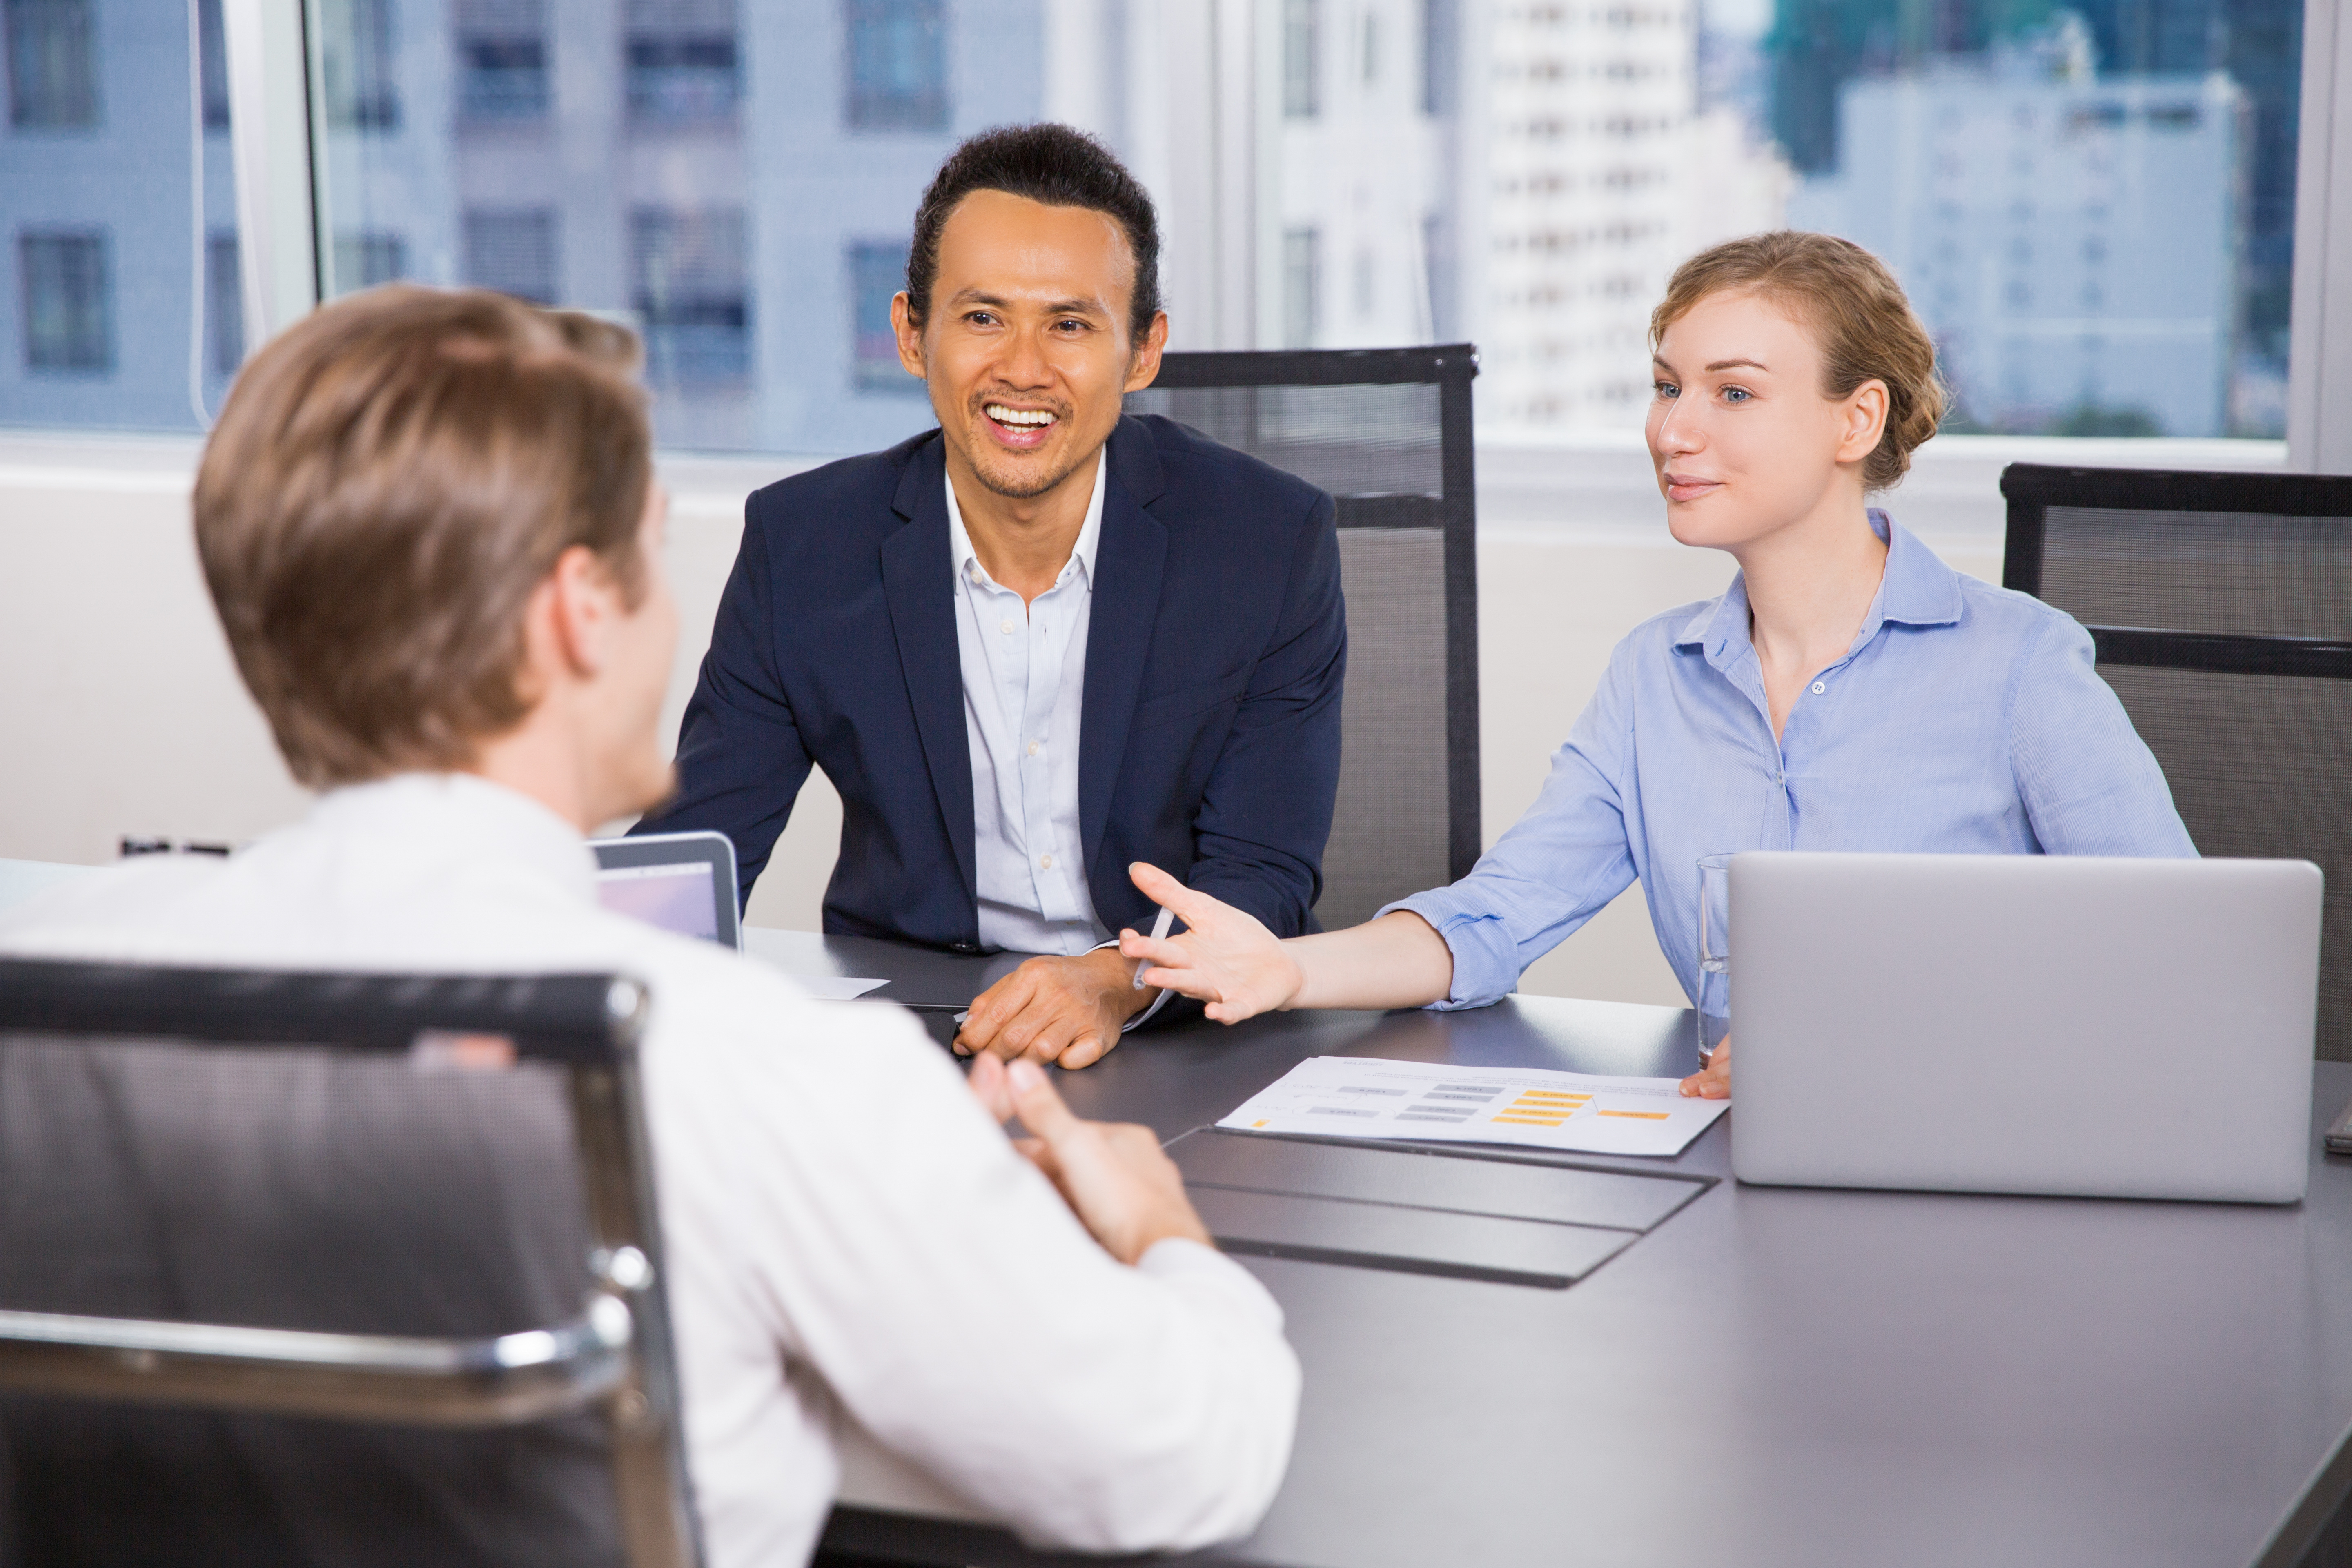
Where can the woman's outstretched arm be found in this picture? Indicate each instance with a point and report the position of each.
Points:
(1230, 961)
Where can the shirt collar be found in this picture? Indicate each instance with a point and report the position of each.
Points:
(466, 815)
(1916, 589)
(966, 561)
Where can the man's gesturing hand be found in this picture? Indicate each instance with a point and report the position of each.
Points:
(1114, 1175)
(1226, 957)
(1066, 1010)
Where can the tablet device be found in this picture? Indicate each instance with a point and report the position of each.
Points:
(682, 882)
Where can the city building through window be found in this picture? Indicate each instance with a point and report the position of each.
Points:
(52, 65)
(372, 256)
(2090, 203)
(359, 73)
(690, 292)
(1302, 287)
(68, 302)
(512, 251)
(683, 66)
(224, 306)
(1302, 48)
(897, 65)
(878, 271)
(502, 61)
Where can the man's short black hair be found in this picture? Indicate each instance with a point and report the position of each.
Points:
(1058, 167)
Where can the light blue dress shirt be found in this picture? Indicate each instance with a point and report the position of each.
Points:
(1024, 675)
(1964, 719)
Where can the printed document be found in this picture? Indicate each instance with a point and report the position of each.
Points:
(1366, 1097)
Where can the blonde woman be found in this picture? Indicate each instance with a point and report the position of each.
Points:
(1848, 691)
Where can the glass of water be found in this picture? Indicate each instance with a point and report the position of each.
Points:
(1714, 953)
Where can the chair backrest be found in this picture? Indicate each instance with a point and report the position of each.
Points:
(330, 1269)
(2221, 606)
(1387, 433)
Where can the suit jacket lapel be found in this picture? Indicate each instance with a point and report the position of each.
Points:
(918, 581)
(1128, 561)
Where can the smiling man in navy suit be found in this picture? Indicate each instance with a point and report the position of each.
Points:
(1041, 642)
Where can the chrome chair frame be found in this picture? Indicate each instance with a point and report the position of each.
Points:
(615, 1354)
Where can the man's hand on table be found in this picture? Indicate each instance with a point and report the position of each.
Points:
(1715, 1081)
(1066, 1010)
(1114, 1175)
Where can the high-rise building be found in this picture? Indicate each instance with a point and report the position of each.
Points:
(1363, 221)
(1815, 47)
(2068, 240)
(1600, 176)
(103, 255)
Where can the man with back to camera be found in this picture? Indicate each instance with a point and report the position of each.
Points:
(1041, 642)
(429, 524)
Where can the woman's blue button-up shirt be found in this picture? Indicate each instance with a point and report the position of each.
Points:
(1965, 718)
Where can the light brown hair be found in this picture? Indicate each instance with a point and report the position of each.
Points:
(390, 479)
(1858, 314)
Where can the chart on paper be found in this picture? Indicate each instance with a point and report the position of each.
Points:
(1364, 1097)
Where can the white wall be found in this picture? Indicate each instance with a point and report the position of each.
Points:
(121, 711)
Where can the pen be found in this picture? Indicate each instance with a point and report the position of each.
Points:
(1160, 925)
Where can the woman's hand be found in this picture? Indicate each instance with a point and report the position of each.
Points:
(1225, 957)
(1715, 1082)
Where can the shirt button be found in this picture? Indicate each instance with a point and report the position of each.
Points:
(1033, 748)
(1819, 688)
(1006, 627)
(1046, 861)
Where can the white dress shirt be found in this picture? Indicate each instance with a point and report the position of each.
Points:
(848, 1235)
(1024, 678)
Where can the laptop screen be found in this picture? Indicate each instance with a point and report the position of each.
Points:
(682, 882)
(676, 898)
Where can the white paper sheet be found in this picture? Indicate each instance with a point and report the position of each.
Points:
(1365, 1096)
(834, 987)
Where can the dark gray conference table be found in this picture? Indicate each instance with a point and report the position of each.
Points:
(1769, 1376)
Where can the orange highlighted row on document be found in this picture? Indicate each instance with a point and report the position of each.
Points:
(1542, 1108)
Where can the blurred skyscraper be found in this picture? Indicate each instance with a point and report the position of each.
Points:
(2068, 240)
(1596, 173)
(1817, 48)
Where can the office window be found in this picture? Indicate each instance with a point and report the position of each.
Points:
(878, 271)
(224, 305)
(52, 65)
(372, 256)
(513, 252)
(682, 63)
(691, 295)
(897, 65)
(358, 65)
(212, 45)
(68, 301)
(1301, 284)
(502, 67)
(1302, 26)
(1612, 140)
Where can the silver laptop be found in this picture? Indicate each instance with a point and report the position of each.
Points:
(2024, 1024)
(682, 882)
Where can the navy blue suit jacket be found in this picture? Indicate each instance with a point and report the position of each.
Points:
(1209, 731)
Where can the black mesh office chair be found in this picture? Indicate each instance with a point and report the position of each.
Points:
(330, 1269)
(2221, 606)
(1387, 433)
